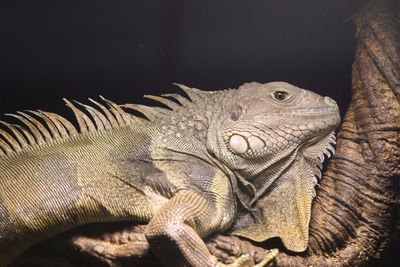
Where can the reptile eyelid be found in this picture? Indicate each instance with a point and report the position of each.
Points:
(288, 96)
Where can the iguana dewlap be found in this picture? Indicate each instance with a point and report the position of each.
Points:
(240, 160)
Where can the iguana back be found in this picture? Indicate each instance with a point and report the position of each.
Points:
(69, 181)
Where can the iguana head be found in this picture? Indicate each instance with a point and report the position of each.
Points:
(266, 121)
(273, 137)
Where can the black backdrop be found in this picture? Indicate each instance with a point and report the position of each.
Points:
(124, 49)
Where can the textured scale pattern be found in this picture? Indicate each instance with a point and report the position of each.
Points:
(53, 126)
(220, 153)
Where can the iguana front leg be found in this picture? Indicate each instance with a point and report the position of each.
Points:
(176, 230)
(175, 233)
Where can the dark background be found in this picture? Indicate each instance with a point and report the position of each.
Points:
(124, 49)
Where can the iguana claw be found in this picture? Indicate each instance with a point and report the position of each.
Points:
(268, 259)
(247, 261)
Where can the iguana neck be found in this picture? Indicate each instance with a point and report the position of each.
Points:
(189, 126)
(260, 181)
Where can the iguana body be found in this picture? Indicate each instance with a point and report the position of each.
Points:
(202, 167)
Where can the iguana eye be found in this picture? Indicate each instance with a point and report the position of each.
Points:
(280, 95)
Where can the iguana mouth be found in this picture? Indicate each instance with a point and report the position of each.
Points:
(316, 111)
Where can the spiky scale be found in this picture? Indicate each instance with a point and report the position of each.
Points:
(112, 123)
(118, 112)
(28, 135)
(5, 147)
(331, 148)
(22, 141)
(97, 121)
(85, 124)
(182, 100)
(49, 123)
(45, 133)
(100, 116)
(148, 112)
(35, 132)
(7, 137)
(191, 92)
(61, 123)
(165, 101)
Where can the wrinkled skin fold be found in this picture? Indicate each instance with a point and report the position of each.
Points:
(355, 215)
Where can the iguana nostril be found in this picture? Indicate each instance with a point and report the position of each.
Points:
(330, 101)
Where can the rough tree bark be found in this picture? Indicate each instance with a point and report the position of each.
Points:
(355, 216)
(356, 213)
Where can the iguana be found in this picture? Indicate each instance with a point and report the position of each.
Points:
(202, 164)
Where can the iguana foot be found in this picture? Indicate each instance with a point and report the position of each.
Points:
(247, 261)
(126, 244)
(229, 248)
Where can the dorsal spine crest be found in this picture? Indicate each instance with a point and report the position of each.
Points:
(51, 126)
(32, 132)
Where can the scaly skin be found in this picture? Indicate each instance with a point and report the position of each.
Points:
(187, 174)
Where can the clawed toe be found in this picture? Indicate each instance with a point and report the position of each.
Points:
(247, 260)
(268, 259)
